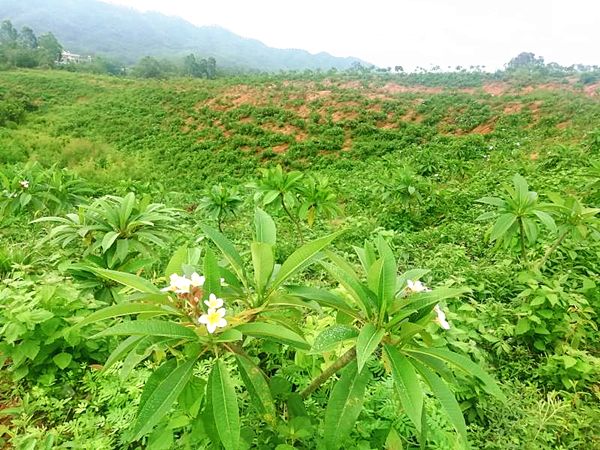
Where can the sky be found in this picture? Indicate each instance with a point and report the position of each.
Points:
(409, 33)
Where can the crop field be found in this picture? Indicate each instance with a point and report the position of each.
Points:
(300, 261)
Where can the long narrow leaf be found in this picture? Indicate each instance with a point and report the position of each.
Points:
(273, 331)
(407, 385)
(258, 388)
(366, 343)
(163, 394)
(224, 406)
(344, 406)
(301, 258)
(149, 328)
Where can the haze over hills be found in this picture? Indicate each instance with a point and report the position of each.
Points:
(94, 27)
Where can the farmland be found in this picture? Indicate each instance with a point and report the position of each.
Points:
(474, 193)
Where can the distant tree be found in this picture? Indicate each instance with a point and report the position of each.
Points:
(525, 60)
(398, 68)
(191, 68)
(8, 34)
(49, 48)
(148, 67)
(27, 39)
(203, 67)
(211, 67)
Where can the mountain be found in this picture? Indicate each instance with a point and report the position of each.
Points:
(97, 28)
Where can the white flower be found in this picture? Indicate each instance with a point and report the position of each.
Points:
(197, 280)
(177, 284)
(416, 286)
(213, 318)
(24, 184)
(441, 318)
(213, 302)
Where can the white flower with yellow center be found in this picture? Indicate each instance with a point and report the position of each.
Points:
(197, 280)
(178, 284)
(24, 184)
(213, 319)
(441, 318)
(414, 287)
(213, 302)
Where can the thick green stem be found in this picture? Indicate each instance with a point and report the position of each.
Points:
(342, 362)
(522, 232)
(552, 249)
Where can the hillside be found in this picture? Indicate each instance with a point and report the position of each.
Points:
(452, 221)
(97, 28)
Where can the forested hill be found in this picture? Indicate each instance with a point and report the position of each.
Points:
(94, 27)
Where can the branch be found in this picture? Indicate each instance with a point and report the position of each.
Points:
(342, 362)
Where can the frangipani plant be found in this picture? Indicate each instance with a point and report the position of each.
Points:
(517, 216)
(208, 316)
(390, 314)
(222, 316)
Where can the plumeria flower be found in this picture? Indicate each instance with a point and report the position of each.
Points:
(24, 184)
(178, 284)
(441, 318)
(416, 286)
(213, 302)
(197, 280)
(213, 319)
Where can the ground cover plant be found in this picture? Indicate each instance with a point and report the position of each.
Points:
(353, 260)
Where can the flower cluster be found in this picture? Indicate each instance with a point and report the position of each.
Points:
(413, 287)
(183, 285)
(24, 184)
(190, 291)
(215, 316)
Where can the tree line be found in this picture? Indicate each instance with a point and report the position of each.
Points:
(26, 50)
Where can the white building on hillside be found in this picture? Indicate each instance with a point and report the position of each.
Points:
(68, 57)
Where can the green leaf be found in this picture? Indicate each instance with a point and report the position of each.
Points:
(122, 349)
(502, 225)
(224, 406)
(382, 280)
(546, 219)
(263, 262)
(179, 258)
(273, 331)
(366, 343)
(162, 395)
(127, 279)
(446, 398)
(108, 240)
(265, 227)
(322, 297)
(344, 406)
(464, 364)
(212, 274)
(329, 338)
(301, 258)
(494, 201)
(361, 295)
(228, 250)
(149, 328)
(523, 326)
(124, 309)
(407, 385)
(62, 360)
(258, 388)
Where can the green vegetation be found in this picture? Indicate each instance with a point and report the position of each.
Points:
(354, 260)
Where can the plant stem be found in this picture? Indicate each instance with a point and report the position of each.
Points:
(522, 232)
(294, 221)
(342, 362)
(552, 249)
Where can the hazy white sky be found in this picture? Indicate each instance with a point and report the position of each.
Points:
(407, 32)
